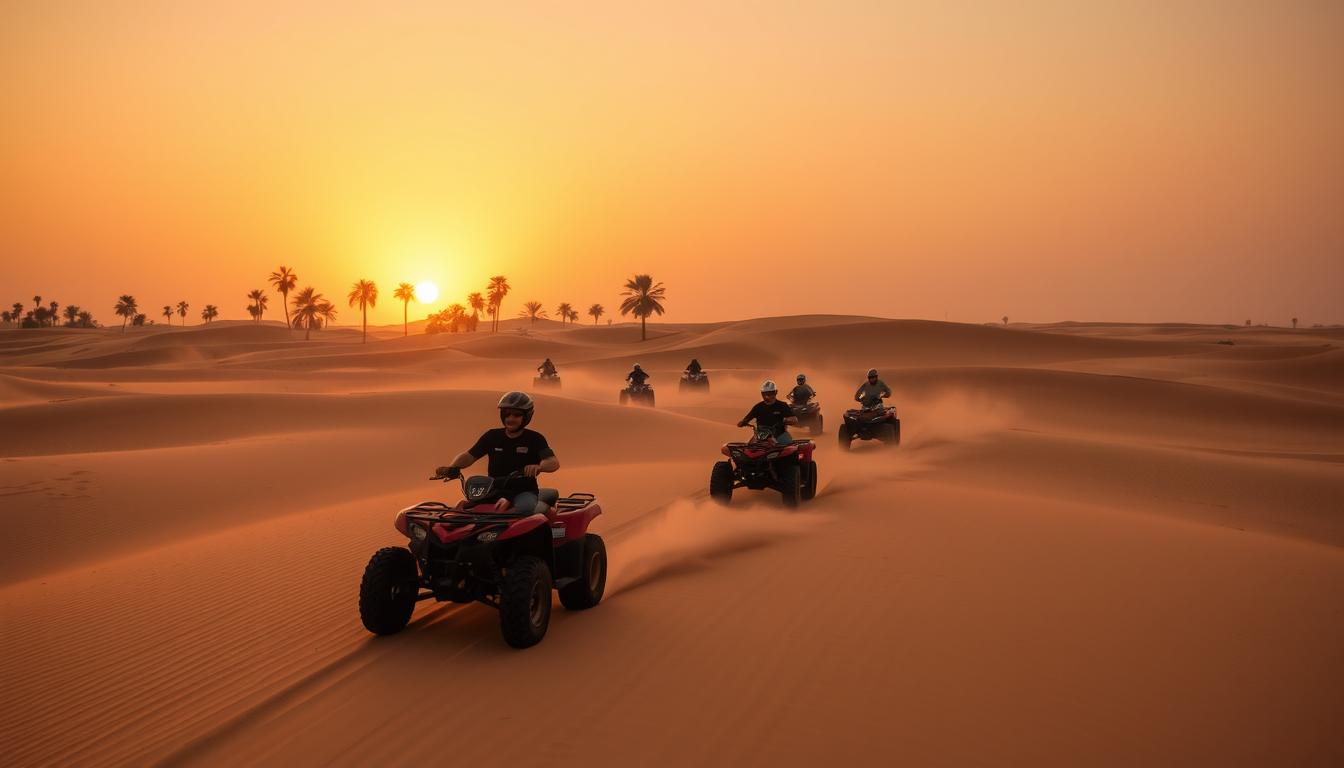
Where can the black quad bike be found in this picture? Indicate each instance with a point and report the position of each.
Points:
(471, 552)
(808, 415)
(693, 382)
(546, 380)
(761, 463)
(877, 422)
(637, 394)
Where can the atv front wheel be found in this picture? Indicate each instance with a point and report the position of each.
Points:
(896, 432)
(525, 602)
(816, 425)
(388, 590)
(789, 485)
(845, 437)
(809, 481)
(721, 482)
(587, 591)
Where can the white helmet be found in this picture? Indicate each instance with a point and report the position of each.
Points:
(769, 386)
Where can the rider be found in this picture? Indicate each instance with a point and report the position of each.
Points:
(770, 412)
(515, 448)
(871, 393)
(693, 370)
(803, 392)
(547, 368)
(637, 377)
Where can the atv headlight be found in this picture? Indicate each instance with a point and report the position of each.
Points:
(419, 532)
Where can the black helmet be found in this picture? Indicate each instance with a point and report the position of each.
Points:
(520, 401)
(637, 368)
(802, 378)
(872, 373)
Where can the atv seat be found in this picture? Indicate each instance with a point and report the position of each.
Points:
(548, 496)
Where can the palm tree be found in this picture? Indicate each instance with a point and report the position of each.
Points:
(259, 300)
(284, 280)
(563, 310)
(40, 315)
(596, 311)
(1294, 323)
(54, 312)
(643, 298)
(71, 314)
(498, 289)
(139, 319)
(37, 303)
(125, 309)
(405, 292)
(85, 319)
(311, 309)
(477, 303)
(533, 310)
(5, 316)
(365, 294)
(182, 307)
(1005, 319)
(16, 311)
(168, 313)
(209, 313)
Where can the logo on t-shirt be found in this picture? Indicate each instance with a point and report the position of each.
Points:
(521, 449)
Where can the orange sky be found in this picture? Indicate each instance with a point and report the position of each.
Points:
(1129, 161)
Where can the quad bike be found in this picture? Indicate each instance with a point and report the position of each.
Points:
(762, 463)
(694, 381)
(546, 380)
(808, 415)
(871, 422)
(471, 552)
(637, 394)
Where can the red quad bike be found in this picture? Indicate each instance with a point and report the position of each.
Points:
(637, 394)
(508, 560)
(877, 422)
(809, 415)
(762, 463)
(546, 380)
(691, 382)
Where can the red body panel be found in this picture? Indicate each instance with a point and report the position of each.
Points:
(520, 527)
(569, 526)
(803, 448)
(448, 535)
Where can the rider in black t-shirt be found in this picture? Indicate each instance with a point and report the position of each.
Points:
(770, 412)
(547, 368)
(515, 448)
(637, 377)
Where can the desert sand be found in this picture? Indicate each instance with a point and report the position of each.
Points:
(1099, 544)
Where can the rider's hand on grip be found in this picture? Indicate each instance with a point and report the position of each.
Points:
(448, 473)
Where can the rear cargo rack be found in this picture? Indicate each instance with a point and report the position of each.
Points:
(574, 501)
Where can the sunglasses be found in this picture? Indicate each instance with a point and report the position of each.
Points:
(510, 414)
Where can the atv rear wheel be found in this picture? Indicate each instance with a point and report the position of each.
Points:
(721, 482)
(896, 432)
(587, 591)
(845, 437)
(649, 397)
(816, 425)
(388, 590)
(525, 602)
(809, 481)
(790, 487)
(888, 436)
(625, 397)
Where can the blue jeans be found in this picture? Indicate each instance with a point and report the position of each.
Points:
(525, 501)
(783, 438)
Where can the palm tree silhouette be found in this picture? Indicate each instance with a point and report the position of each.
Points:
(498, 289)
(284, 280)
(209, 313)
(405, 292)
(182, 307)
(456, 314)
(1005, 319)
(644, 298)
(16, 311)
(71, 313)
(168, 313)
(365, 294)
(311, 309)
(563, 311)
(85, 319)
(477, 303)
(259, 300)
(596, 311)
(532, 310)
(1294, 323)
(125, 309)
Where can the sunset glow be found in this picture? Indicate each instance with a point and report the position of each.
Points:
(426, 292)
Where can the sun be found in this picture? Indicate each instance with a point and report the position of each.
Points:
(426, 292)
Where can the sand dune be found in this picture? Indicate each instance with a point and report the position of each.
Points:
(1099, 544)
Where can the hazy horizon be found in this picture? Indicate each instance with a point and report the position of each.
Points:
(1048, 163)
